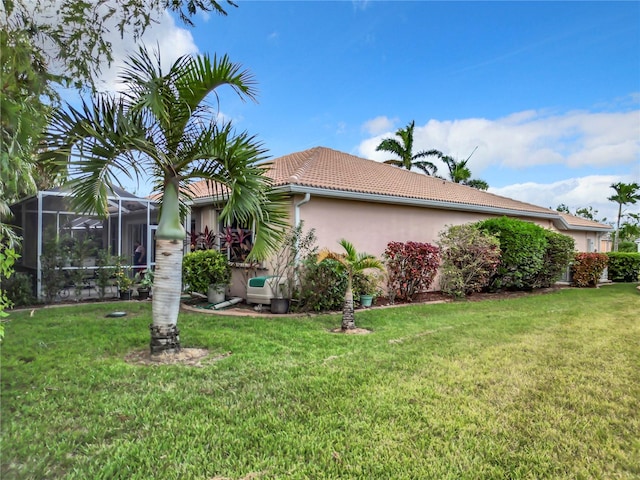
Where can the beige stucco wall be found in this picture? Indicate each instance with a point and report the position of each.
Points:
(371, 226)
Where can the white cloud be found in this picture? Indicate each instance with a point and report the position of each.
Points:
(589, 141)
(592, 190)
(528, 138)
(378, 125)
(171, 40)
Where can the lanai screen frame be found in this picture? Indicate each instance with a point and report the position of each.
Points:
(116, 200)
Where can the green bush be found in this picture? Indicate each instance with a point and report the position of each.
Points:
(365, 284)
(19, 289)
(322, 285)
(587, 268)
(624, 267)
(53, 258)
(557, 257)
(523, 246)
(628, 247)
(105, 272)
(203, 268)
(470, 257)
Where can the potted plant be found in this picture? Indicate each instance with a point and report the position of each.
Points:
(144, 282)
(124, 283)
(284, 265)
(365, 286)
(207, 272)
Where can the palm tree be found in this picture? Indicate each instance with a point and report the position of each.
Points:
(163, 127)
(352, 262)
(626, 193)
(459, 172)
(404, 150)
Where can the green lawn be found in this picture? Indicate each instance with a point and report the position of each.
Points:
(545, 386)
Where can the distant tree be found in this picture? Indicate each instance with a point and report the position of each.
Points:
(72, 34)
(403, 148)
(585, 212)
(626, 194)
(630, 229)
(459, 172)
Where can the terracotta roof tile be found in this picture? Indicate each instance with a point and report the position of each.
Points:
(329, 169)
(579, 221)
(322, 167)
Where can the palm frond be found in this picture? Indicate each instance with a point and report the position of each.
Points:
(427, 167)
(98, 144)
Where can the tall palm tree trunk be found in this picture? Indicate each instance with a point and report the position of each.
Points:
(167, 287)
(616, 238)
(348, 315)
(167, 284)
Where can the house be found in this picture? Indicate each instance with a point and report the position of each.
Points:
(371, 203)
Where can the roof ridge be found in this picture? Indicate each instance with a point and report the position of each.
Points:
(297, 175)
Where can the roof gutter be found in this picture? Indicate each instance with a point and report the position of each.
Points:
(373, 197)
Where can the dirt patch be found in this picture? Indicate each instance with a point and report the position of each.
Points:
(351, 331)
(192, 357)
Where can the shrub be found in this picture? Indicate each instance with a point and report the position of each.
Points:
(322, 285)
(624, 267)
(627, 247)
(365, 284)
(587, 268)
(19, 289)
(203, 268)
(523, 246)
(411, 268)
(558, 255)
(52, 260)
(470, 257)
(106, 269)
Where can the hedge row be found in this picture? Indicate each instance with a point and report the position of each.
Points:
(624, 267)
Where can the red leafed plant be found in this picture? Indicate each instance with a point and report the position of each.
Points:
(588, 267)
(411, 268)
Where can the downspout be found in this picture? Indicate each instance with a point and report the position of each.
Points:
(296, 216)
(296, 212)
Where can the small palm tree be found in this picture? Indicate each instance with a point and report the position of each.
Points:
(352, 262)
(626, 194)
(162, 127)
(403, 148)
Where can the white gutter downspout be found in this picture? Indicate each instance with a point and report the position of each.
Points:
(296, 217)
(296, 212)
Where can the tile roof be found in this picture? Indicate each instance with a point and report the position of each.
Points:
(580, 221)
(331, 170)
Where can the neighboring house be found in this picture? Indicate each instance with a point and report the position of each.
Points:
(370, 204)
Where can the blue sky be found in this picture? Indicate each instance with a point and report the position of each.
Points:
(548, 92)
